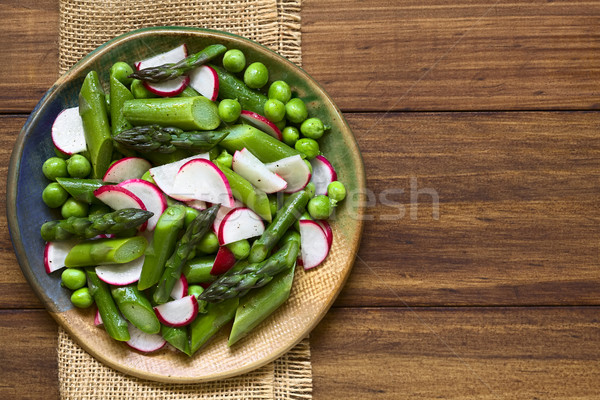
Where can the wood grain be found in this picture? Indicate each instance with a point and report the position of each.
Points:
(381, 55)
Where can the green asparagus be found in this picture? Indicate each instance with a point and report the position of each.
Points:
(114, 323)
(154, 138)
(134, 306)
(106, 251)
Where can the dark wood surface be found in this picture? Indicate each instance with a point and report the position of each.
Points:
(489, 107)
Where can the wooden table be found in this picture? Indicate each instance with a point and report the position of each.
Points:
(490, 107)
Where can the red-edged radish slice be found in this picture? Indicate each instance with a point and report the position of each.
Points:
(223, 261)
(144, 342)
(293, 170)
(67, 132)
(327, 229)
(98, 319)
(121, 274)
(238, 224)
(262, 123)
(164, 175)
(126, 168)
(200, 179)
(171, 87)
(178, 312)
(322, 175)
(252, 169)
(313, 243)
(154, 200)
(223, 211)
(180, 290)
(118, 198)
(55, 254)
(196, 204)
(205, 81)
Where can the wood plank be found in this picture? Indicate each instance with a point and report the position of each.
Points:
(465, 353)
(381, 55)
(518, 223)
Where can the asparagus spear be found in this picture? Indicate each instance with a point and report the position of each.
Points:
(171, 71)
(154, 138)
(93, 225)
(184, 251)
(106, 251)
(206, 325)
(237, 282)
(114, 323)
(134, 306)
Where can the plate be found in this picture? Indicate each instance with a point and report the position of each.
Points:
(313, 291)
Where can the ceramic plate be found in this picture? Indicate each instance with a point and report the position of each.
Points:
(313, 291)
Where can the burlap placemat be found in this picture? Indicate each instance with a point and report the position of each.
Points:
(86, 24)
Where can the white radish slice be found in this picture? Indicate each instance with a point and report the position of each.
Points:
(118, 198)
(180, 289)
(200, 179)
(262, 123)
(121, 274)
(313, 243)
(154, 200)
(252, 169)
(223, 261)
(205, 81)
(322, 175)
(55, 254)
(126, 168)
(238, 224)
(178, 312)
(223, 211)
(164, 175)
(67, 132)
(293, 170)
(144, 342)
(98, 319)
(327, 229)
(171, 87)
(197, 204)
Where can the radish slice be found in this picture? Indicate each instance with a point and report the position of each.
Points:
(200, 179)
(223, 261)
(197, 204)
(98, 319)
(144, 342)
(262, 123)
(164, 175)
(180, 289)
(55, 254)
(118, 198)
(121, 274)
(293, 170)
(323, 174)
(67, 132)
(238, 224)
(313, 243)
(171, 87)
(223, 211)
(252, 169)
(178, 312)
(205, 81)
(327, 229)
(126, 168)
(153, 199)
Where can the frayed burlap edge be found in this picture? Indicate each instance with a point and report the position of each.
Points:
(81, 377)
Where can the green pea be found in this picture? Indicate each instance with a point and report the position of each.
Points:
(281, 124)
(60, 154)
(139, 91)
(312, 128)
(295, 111)
(121, 70)
(274, 110)
(148, 177)
(98, 209)
(195, 290)
(190, 215)
(234, 60)
(240, 249)
(281, 91)
(309, 147)
(74, 208)
(225, 159)
(290, 134)
(310, 189)
(336, 191)
(319, 207)
(54, 195)
(55, 167)
(73, 278)
(209, 244)
(78, 166)
(256, 75)
(229, 110)
(82, 298)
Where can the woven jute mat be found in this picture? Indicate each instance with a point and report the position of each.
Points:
(86, 24)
